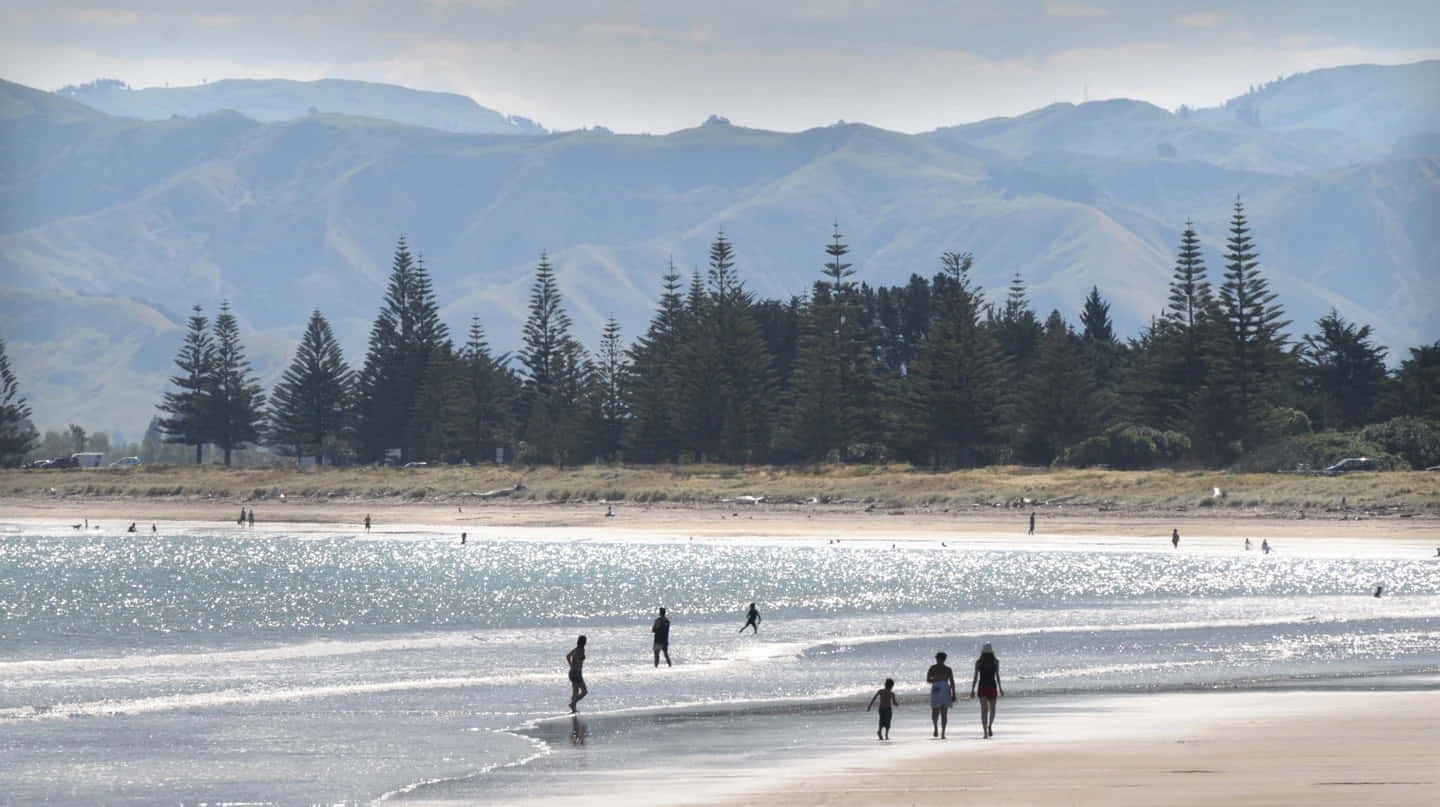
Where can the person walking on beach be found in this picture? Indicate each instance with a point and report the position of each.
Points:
(752, 619)
(1175, 538)
(367, 522)
(661, 629)
(241, 519)
(1265, 545)
(576, 659)
(1032, 522)
(942, 693)
(888, 701)
(251, 517)
(987, 675)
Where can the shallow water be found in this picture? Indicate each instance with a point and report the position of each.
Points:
(224, 666)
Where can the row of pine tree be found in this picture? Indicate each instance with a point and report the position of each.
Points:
(930, 372)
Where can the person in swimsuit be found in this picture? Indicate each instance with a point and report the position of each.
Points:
(942, 693)
(987, 675)
(888, 701)
(752, 619)
(661, 629)
(576, 659)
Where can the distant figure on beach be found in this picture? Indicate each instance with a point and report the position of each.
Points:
(251, 517)
(661, 629)
(462, 538)
(1379, 590)
(367, 522)
(609, 511)
(87, 523)
(942, 693)
(576, 659)
(888, 701)
(152, 528)
(987, 675)
(131, 528)
(1265, 545)
(241, 519)
(1032, 522)
(1247, 544)
(1175, 538)
(752, 619)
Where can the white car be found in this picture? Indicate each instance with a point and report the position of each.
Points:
(125, 462)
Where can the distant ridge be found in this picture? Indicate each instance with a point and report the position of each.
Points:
(271, 100)
(111, 225)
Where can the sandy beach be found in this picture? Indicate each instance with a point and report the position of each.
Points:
(1055, 525)
(1248, 748)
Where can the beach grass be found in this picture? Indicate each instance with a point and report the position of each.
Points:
(891, 486)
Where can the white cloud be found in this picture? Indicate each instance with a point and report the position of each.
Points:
(1075, 10)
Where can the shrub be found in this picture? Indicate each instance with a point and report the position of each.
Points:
(1129, 448)
(1416, 440)
(1315, 451)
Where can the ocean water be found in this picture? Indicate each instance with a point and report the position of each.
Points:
(220, 666)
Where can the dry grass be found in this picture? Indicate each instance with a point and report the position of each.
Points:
(888, 486)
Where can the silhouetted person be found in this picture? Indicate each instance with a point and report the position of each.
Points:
(152, 528)
(131, 528)
(367, 522)
(661, 629)
(251, 517)
(1032, 522)
(1175, 538)
(1265, 545)
(942, 693)
(462, 539)
(576, 659)
(1247, 544)
(609, 511)
(987, 675)
(241, 519)
(1378, 591)
(888, 701)
(752, 619)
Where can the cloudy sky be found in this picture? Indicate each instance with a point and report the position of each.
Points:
(660, 65)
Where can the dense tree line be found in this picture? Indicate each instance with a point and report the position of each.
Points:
(931, 371)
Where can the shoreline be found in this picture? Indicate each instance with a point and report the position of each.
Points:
(1238, 748)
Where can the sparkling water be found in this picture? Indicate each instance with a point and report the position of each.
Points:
(220, 666)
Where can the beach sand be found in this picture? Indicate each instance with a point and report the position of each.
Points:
(1199, 528)
(1252, 748)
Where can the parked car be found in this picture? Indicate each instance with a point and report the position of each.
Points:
(1351, 464)
(126, 462)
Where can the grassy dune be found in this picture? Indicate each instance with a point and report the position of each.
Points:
(889, 486)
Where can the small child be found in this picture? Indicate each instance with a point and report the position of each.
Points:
(888, 701)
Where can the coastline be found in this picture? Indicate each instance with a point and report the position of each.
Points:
(1236, 748)
(1057, 525)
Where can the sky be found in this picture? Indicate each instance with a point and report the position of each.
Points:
(661, 65)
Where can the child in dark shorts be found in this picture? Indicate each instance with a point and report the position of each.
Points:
(888, 701)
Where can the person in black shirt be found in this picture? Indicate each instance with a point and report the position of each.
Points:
(752, 619)
(661, 629)
(987, 676)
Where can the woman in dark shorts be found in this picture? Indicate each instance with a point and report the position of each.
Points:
(987, 675)
(576, 659)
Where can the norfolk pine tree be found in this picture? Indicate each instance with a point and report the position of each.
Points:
(237, 401)
(310, 405)
(652, 434)
(1251, 352)
(188, 409)
(17, 433)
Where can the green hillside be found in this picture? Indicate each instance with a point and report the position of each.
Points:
(283, 217)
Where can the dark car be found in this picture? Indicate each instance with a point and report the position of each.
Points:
(1351, 464)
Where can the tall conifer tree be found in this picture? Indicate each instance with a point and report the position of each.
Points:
(188, 409)
(652, 387)
(17, 433)
(237, 401)
(310, 405)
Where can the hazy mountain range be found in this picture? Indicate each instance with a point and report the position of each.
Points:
(112, 227)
